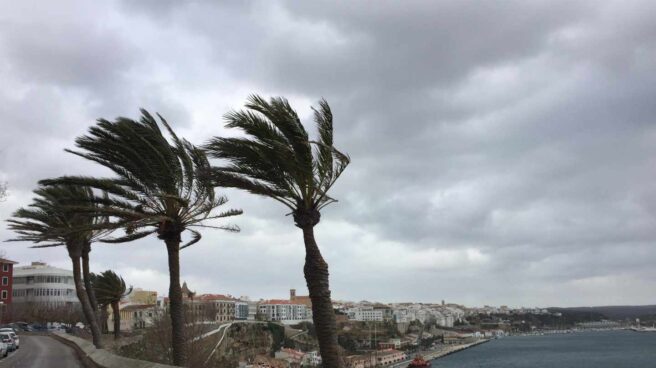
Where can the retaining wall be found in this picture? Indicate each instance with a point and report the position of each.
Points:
(100, 358)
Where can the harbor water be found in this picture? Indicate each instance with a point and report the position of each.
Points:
(594, 349)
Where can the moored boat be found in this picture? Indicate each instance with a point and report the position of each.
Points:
(419, 362)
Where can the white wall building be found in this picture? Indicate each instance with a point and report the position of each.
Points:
(41, 283)
(442, 315)
(365, 314)
(282, 310)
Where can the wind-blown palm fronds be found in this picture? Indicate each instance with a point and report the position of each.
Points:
(277, 159)
(110, 288)
(160, 188)
(50, 221)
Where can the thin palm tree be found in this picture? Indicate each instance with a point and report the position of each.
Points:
(103, 313)
(160, 188)
(110, 288)
(277, 159)
(50, 221)
(86, 275)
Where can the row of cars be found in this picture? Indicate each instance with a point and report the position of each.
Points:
(9, 341)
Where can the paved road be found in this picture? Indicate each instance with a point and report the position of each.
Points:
(41, 352)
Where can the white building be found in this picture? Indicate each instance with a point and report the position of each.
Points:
(282, 310)
(41, 283)
(442, 315)
(365, 314)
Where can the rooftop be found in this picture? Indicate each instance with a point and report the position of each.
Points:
(40, 268)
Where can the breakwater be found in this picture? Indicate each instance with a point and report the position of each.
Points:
(453, 349)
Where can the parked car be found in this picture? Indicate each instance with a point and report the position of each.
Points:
(7, 339)
(21, 326)
(8, 327)
(4, 349)
(13, 336)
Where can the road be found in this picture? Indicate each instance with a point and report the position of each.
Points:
(42, 352)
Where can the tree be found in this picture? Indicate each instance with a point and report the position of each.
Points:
(51, 219)
(110, 289)
(278, 160)
(160, 188)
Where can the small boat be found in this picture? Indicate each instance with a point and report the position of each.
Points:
(419, 362)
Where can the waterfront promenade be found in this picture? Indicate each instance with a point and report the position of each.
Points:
(441, 352)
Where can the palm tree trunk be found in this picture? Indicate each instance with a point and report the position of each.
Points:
(176, 309)
(87, 282)
(104, 316)
(323, 315)
(117, 320)
(86, 305)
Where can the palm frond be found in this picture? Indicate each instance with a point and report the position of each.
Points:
(277, 159)
(160, 185)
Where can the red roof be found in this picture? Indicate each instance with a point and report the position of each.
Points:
(208, 297)
(4, 260)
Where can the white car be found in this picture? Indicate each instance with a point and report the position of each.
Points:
(4, 349)
(13, 335)
(6, 338)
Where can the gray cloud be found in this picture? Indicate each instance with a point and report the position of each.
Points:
(502, 152)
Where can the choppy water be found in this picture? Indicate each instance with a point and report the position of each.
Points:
(606, 349)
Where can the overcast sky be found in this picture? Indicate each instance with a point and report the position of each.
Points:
(502, 152)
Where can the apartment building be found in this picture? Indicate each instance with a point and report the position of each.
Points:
(41, 283)
(365, 313)
(6, 280)
(282, 310)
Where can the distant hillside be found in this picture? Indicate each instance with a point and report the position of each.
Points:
(614, 312)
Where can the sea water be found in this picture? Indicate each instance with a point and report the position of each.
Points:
(594, 349)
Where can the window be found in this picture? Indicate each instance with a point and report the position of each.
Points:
(4, 294)
(5, 267)
(5, 280)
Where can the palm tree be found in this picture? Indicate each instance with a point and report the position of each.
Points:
(50, 220)
(278, 160)
(103, 313)
(160, 188)
(110, 289)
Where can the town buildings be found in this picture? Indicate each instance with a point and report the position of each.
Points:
(243, 309)
(443, 315)
(134, 316)
(297, 358)
(389, 356)
(215, 307)
(6, 280)
(144, 297)
(41, 283)
(300, 299)
(365, 313)
(376, 359)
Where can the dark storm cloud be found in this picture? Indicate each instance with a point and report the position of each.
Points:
(505, 149)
